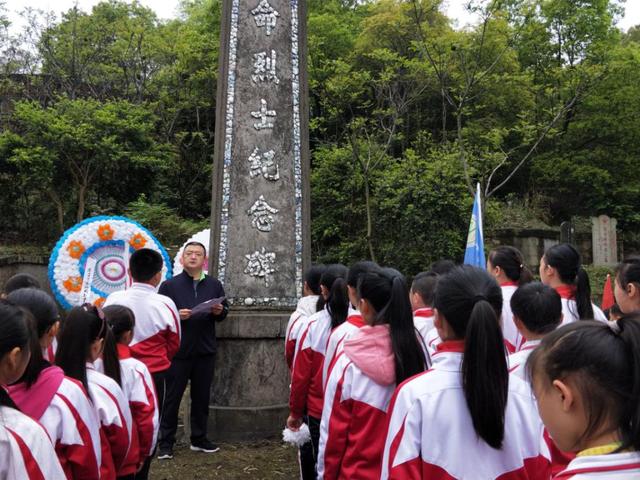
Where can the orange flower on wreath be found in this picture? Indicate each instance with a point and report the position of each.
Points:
(99, 302)
(73, 284)
(105, 232)
(75, 249)
(137, 241)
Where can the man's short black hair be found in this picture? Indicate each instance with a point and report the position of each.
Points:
(538, 307)
(144, 264)
(424, 284)
(21, 280)
(442, 267)
(189, 244)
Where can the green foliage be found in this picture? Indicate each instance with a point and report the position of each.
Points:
(168, 227)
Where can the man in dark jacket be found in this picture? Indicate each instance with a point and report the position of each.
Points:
(196, 358)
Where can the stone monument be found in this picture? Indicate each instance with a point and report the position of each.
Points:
(260, 208)
(605, 242)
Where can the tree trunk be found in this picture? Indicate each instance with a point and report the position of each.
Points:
(59, 209)
(82, 192)
(367, 203)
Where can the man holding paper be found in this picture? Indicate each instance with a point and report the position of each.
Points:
(201, 303)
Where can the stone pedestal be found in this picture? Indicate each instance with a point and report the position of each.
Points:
(251, 383)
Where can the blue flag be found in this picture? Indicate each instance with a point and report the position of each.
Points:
(474, 254)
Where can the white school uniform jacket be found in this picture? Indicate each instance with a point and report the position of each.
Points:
(512, 337)
(306, 380)
(63, 408)
(423, 321)
(614, 466)
(431, 433)
(138, 387)
(518, 360)
(336, 341)
(357, 396)
(306, 307)
(432, 340)
(26, 451)
(156, 338)
(114, 414)
(570, 308)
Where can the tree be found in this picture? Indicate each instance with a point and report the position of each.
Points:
(77, 149)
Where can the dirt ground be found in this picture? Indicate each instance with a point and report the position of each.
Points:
(261, 460)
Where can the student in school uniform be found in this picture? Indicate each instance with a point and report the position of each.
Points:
(354, 318)
(465, 418)
(561, 269)
(507, 266)
(383, 353)
(586, 378)
(627, 285)
(421, 296)
(26, 450)
(310, 303)
(537, 311)
(60, 404)
(306, 396)
(136, 382)
(81, 342)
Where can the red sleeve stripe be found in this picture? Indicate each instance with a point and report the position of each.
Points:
(33, 469)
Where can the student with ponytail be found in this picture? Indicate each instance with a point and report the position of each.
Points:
(354, 318)
(137, 384)
(507, 265)
(310, 303)
(561, 268)
(627, 285)
(586, 378)
(381, 354)
(465, 418)
(25, 448)
(59, 403)
(306, 382)
(80, 344)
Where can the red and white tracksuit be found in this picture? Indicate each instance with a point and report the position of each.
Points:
(512, 337)
(614, 466)
(432, 340)
(423, 321)
(63, 408)
(431, 432)
(156, 338)
(517, 367)
(336, 340)
(570, 308)
(118, 437)
(26, 451)
(138, 387)
(517, 361)
(306, 380)
(306, 307)
(357, 396)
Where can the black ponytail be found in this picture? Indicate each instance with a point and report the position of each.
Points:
(312, 279)
(604, 363)
(45, 315)
(334, 280)
(121, 319)
(511, 261)
(14, 332)
(110, 357)
(566, 260)
(388, 294)
(471, 302)
(80, 329)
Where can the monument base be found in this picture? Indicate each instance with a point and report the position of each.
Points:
(251, 382)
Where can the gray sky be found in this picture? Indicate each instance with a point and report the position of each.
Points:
(168, 9)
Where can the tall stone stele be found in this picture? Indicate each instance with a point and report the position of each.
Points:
(260, 208)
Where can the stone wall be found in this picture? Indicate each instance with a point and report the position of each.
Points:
(33, 265)
(532, 243)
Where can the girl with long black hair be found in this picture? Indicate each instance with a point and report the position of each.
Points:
(25, 448)
(586, 378)
(506, 265)
(81, 342)
(306, 382)
(561, 268)
(380, 355)
(465, 418)
(59, 403)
